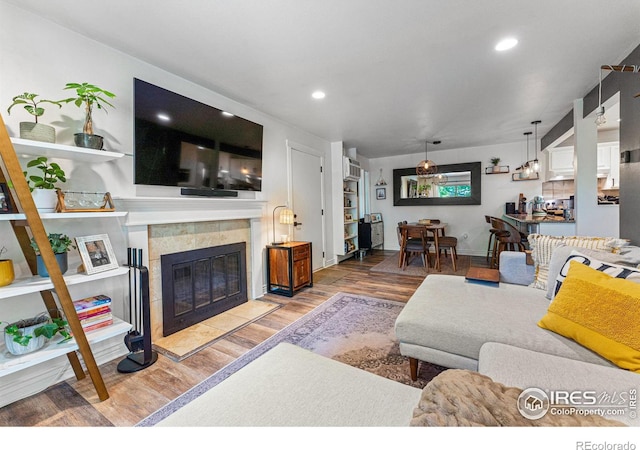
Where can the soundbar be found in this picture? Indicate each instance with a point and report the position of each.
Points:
(208, 192)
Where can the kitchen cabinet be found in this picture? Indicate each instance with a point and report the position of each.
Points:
(561, 160)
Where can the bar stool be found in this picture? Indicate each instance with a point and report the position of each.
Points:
(508, 237)
(492, 245)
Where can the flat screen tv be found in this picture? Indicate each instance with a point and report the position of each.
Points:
(183, 142)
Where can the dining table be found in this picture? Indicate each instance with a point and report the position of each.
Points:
(437, 229)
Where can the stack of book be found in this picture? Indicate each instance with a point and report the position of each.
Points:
(94, 312)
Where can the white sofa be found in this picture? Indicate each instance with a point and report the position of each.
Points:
(455, 323)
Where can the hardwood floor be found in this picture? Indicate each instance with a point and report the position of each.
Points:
(135, 396)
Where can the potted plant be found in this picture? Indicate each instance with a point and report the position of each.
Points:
(60, 244)
(495, 161)
(28, 335)
(89, 95)
(7, 274)
(43, 184)
(34, 130)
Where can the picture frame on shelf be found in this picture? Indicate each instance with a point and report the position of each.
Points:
(5, 199)
(381, 193)
(96, 253)
(348, 218)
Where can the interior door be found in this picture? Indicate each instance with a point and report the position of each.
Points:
(307, 199)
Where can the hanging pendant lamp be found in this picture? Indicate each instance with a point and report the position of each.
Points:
(427, 167)
(535, 166)
(526, 167)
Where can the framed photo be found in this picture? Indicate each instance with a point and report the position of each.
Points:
(376, 217)
(381, 193)
(96, 253)
(5, 199)
(348, 218)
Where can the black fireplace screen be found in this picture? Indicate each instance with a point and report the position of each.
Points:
(199, 284)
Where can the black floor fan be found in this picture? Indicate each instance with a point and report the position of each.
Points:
(138, 340)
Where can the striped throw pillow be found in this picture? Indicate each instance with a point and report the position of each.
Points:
(542, 247)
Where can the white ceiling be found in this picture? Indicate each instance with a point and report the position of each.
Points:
(396, 72)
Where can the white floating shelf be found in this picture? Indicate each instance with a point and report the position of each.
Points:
(11, 363)
(37, 148)
(67, 215)
(37, 283)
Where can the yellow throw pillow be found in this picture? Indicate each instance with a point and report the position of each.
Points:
(599, 312)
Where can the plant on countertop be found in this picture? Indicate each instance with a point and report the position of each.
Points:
(49, 328)
(31, 105)
(60, 243)
(89, 95)
(51, 174)
(495, 160)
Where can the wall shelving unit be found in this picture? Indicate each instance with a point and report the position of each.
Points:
(28, 217)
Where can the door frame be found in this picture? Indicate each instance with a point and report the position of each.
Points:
(311, 151)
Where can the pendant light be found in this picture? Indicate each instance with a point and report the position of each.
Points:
(526, 166)
(536, 165)
(600, 118)
(427, 167)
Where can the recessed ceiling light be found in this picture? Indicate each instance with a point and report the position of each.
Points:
(318, 95)
(228, 114)
(506, 44)
(163, 117)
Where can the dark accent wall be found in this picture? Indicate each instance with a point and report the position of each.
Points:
(628, 83)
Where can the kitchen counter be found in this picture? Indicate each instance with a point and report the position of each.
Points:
(550, 225)
(528, 218)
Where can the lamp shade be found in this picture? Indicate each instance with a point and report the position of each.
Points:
(286, 216)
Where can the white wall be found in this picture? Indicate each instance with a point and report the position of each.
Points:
(39, 56)
(466, 222)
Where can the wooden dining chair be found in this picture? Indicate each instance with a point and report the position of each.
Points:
(414, 242)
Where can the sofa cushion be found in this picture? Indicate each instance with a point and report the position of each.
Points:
(523, 368)
(290, 386)
(592, 259)
(560, 255)
(451, 315)
(600, 312)
(542, 248)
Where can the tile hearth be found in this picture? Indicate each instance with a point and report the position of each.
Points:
(184, 343)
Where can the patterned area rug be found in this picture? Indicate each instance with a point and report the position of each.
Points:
(353, 329)
(417, 269)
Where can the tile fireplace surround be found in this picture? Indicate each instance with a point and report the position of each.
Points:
(167, 225)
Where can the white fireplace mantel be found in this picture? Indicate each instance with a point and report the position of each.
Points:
(161, 210)
(145, 211)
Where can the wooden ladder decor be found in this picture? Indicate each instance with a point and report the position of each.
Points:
(21, 195)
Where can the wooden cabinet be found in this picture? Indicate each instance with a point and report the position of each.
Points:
(289, 267)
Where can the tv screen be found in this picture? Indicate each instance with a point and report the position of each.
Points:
(182, 142)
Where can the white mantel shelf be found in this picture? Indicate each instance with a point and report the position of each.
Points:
(164, 210)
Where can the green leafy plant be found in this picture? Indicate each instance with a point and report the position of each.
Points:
(60, 243)
(49, 328)
(495, 160)
(51, 173)
(89, 95)
(31, 105)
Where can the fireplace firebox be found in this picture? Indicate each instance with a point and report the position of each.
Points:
(199, 284)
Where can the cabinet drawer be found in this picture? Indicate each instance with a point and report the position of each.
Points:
(301, 252)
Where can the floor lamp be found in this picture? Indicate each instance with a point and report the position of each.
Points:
(286, 217)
